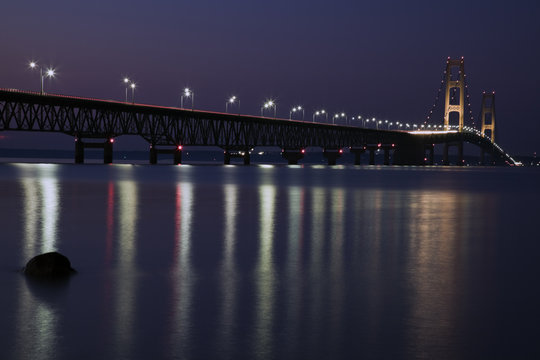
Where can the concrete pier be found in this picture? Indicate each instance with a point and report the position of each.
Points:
(332, 155)
(107, 147)
(459, 145)
(176, 152)
(293, 155)
(357, 154)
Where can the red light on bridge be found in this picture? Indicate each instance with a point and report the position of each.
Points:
(179, 147)
(303, 151)
(341, 151)
(111, 140)
(379, 145)
(393, 145)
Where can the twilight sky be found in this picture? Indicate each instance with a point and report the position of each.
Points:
(375, 58)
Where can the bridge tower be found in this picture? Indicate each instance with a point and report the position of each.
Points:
(488, 114)
(452, 83)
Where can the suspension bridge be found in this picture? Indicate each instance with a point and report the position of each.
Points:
(95, 123)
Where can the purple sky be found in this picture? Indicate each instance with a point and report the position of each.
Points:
(375, 58)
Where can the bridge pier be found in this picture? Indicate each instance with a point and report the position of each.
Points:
(293, 155)
(177, 155)
(79, 151)
(332, 155)
(387, 154)
(153, 155)
(459, 145)
(429, 159)
(108, 151)
(372, 155)
(176, 152)
(412, 152)
(107, 147)
(357, 154)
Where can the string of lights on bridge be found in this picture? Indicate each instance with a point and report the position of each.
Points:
(269, 107)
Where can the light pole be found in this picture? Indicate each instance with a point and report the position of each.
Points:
(295, 109)
(48, 73)
(267, 105)
(187, 94)
(320, 112)
(126, 82)
(231, 101)
(133, 86)
(359, 118)
(337, 116)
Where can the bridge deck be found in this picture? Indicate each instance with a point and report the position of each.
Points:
(170, 126)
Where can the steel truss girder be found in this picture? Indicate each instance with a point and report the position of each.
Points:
(24, 111)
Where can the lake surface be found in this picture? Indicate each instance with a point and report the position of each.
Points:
(272, 262)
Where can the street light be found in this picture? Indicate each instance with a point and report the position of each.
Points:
(337, 116)
(188, 93)
(231, 101)
(360, 118)
(295, 109)
(48, 73)
(320, 112)
(126, 82)
(133, 86)
(346, 118)
(267, 105)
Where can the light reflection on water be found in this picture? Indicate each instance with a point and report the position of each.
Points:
(37, 322)
(316, 267)
(336, 239)
(42, 206)
(228, 271)
(358, 269)
(182, 274)
(265, 276)
(125, 279)
(294, 272)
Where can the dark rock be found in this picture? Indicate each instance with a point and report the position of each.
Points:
(50, 265)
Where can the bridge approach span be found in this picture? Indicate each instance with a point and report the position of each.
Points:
(170, 127)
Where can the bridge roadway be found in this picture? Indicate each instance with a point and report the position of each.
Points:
(95, 123)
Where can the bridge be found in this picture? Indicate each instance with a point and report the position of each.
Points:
(95, 123)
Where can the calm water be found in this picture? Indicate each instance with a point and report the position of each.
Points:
(262, 262)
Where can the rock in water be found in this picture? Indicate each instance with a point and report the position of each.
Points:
(49, 265)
